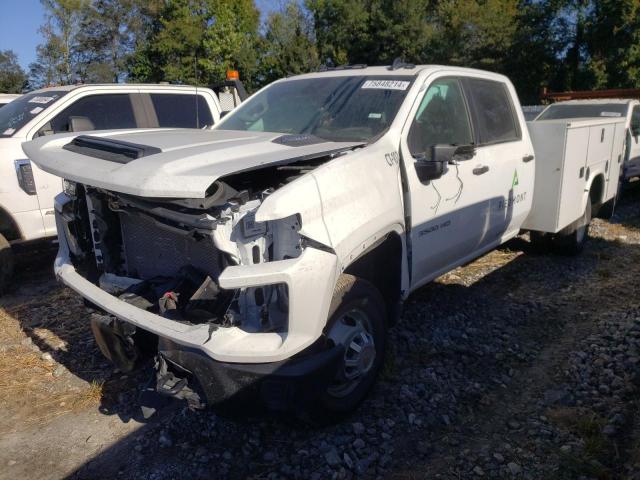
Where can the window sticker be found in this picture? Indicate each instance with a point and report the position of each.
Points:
(385, 84)
(41, 100)
(610, 114)
(9, 131)
(375, 115)
(36, 110)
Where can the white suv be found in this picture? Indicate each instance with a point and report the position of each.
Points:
(27, 193)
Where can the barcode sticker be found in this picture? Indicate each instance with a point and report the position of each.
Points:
(386, 84)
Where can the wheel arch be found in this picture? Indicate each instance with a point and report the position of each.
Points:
(597, 189)
(382, 265)
(8, 226)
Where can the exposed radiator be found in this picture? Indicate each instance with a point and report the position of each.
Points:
(151, 250)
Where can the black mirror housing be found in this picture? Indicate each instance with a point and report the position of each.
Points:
(436, 165)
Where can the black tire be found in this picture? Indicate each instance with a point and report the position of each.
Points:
(573, 243)
(352, 295)
(540, 242)
(6, 264)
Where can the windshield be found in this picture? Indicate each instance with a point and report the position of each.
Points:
(559, 111)
(346, 108)
(15, 115)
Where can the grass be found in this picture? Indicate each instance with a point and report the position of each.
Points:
(28, 389)
(598, 450)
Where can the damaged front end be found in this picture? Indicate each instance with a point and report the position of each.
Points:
(228, 305)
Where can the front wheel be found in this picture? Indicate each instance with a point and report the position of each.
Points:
(357, 321)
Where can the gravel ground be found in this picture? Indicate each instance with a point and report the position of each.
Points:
(519, 365)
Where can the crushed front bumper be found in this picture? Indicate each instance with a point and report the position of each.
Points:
(309, 278)
(281, 386)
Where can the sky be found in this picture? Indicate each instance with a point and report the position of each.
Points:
(19, 23)
(21, 19)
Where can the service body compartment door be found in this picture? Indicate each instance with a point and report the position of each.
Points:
(560, 179)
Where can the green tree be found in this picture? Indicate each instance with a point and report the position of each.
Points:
(106, 38)
(372, 31)
(12, 77)
(55, 57)
(612, 40)
(196, 41)
(288, 46)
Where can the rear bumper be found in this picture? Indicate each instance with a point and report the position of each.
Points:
(281, 386)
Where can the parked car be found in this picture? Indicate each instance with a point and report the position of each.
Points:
(269, 256)
(27, 193)
(7, 97)
(606, 108)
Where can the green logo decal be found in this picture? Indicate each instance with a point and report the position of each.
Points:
(515, 179)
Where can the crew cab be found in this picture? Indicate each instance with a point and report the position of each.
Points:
(269, 256)
(627, 109)
(27, 193)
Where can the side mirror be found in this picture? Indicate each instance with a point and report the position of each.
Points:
(635, 130)
(436, 165)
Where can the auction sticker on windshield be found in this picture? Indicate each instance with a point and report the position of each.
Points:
(42, 100)
(386, 84)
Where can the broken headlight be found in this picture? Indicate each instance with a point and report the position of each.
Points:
(260, 309)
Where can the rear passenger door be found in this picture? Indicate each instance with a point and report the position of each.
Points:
(178, 110)
(506, 158)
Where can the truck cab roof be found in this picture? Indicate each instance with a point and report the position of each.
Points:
(405, 70)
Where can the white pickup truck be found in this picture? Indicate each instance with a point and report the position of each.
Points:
(269, 256)
(27, 193)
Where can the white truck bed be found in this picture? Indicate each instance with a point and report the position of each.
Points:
(567, 153)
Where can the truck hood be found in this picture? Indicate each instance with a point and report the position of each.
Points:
(175, 163)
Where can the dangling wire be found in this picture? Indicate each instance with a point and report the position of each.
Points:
(459, 192)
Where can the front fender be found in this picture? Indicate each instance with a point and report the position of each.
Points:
(347, 203)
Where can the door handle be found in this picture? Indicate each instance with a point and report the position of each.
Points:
(480, 170)
(527, 158)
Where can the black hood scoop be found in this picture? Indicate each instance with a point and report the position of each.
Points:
(108, 149)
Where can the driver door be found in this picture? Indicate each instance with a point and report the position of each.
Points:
(449, 216)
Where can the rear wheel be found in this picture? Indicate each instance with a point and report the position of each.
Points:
(357, 321)
(607, 210)
(6, 264)
(573, 243)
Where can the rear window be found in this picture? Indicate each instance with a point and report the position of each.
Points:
(493, 113)
(560, 111)
(16, 114)
(181, 111)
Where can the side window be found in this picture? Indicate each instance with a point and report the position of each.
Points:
(181, 111)
(96, 112)
(493, 114)
(442, 118)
